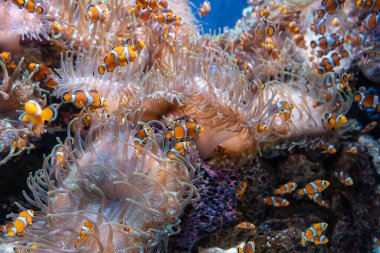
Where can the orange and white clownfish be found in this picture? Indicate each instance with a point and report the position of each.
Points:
(264, 13)
(245, 37)
(330, 149)
(242, 185)
(316, 230)
(265, 29)
(140, 138)
(255, 86)
(351, 149)
(6, 56)
(367, 99)
(329, 6)
(189, 130)
(179, 148)
(30, 5)
(262, 127)
(85, 229)
(245, 225)
(6, 227)
(168, 34)
(81, 99)
(343, 178)
(289, 187)
(371, 21)
(369, 4)
(333, 121)
(329, 43)
(24, 219)
(120, 55)
(59, 156)
(135, 44)
(27, 248)
(248, 248)
(96, 13)
(318, 240)
(204, 9)
(34, 113)
(153, 4)
(166, 18)
(140, 12)
(317, 198)
(19, 143)
(42, 73)
(319, 25)
(317, 186)
(285, 108)
(329, 63)
(275, 201)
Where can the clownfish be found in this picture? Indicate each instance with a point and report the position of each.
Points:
(42, 73)
(329, 6)
(289, 187)
(6, 56)
(153, 4)
(59, 156)
(255, 86)
(245, 37)
(353, 150)
(262, 127)
(140, 138)
(204, 9)
(246, 225)
(371, 21)
(333, 121)
(313, 232)
(241, 189)
(24, 219)
(328, 63)
(30, 5)
(285, 108)
(318, 240)
(343, 178)
(81, 99)
(317, 198)
(179, 148)
(140, 12)
(265, 29)
(264, 13)
(275, 201)
(166, 18)
(19, 143)
(120, 55)
(248, 248)
(330, 149)
(317, 186)
(29, 245)
(367, 100)
(135, 44)
(319, 25)
(34, 113)
(168, 34)
(85, 229)
(188, 130)
(329, 43)
(369, 4)
(272, 51)
(6, 227)
(369, 127)
(96, 12)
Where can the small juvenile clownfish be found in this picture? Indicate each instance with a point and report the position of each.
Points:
(28, 246)
(275, 201)
(153, 4)
(246, 225)
(30, 5)
(188, 130)
(329, 6)
(59, 156)
(265, 29)
(120, 55)
(81, 99)
(34, 113)
(330, 149)
(42, 73)
(85, 229)
(369, 4)
(353, 150)
(367, 99)
(135, 44)
(96, 13)
(262, 127)
(168, 34)
(272, 51)
(311, 233)
(140, 12)
(255, 86)
(19, 143)
(6, 227)
(317, 186)
(285, 108)
(289, 187)
(329, 63)
(140, 138)
(248, 248)
(24, 219)
(329, 43)
(369, 127)
(371, 21)
(241, 189)
(245, 37)
(319, 25)
(264, 13)
(179, 148)
(317, 198)
(165, 18)
(6, 56)
(333, 121)
(204, 9)
(344, 178)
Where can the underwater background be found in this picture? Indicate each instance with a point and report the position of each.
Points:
(267, 122)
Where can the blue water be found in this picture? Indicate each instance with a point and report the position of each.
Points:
(223, 13)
